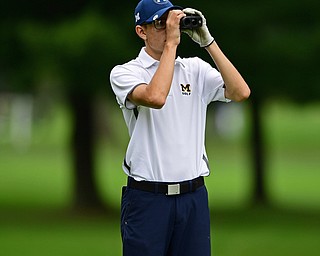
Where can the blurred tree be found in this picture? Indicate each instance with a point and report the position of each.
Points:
(84, 58)
(275, 45)
(73, 45)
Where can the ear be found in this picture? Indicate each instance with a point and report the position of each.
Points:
(141, 32)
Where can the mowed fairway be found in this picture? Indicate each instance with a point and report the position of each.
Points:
(36, 190)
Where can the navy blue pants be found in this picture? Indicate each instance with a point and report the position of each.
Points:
(159, 225)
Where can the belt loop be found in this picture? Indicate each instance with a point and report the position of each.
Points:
(156, 188)
(129, 181)
(190, 186)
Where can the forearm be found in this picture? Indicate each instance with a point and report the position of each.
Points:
(155, 93)
(159, 86)
(236, 88)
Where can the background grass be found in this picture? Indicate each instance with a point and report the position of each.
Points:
(36, 189)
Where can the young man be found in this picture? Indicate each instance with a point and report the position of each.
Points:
(164, 99)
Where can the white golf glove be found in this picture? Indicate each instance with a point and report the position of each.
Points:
(200, 35)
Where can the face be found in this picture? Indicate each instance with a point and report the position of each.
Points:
(154, 35)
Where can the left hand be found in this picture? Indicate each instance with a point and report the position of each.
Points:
(200, 35)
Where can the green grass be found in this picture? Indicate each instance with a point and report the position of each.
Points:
(39, 177)
(261, 231)
(53, 233)
(42, 174)
(36, 189)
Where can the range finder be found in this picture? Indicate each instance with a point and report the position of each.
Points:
(190, 22)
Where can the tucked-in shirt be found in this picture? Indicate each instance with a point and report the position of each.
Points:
(167, 144)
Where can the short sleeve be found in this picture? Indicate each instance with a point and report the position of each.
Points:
(213, 84)
(123, 81)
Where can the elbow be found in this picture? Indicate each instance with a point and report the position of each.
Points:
(157, 102)
(157, 105)
(239, 96)
(244, 95)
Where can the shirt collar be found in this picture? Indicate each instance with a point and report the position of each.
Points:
(147, 61)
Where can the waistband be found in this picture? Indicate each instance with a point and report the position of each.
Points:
(167, 188)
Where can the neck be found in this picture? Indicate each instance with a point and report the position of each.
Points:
(153, 54)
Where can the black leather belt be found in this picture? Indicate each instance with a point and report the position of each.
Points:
(168, 188)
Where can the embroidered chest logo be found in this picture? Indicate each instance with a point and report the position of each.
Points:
(185, 89)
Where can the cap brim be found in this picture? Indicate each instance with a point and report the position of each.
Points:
(159, 13)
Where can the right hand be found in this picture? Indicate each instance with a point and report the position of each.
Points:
(173, 32)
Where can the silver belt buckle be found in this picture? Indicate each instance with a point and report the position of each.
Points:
(173, 190)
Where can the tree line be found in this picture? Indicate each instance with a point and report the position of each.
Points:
(75, 44)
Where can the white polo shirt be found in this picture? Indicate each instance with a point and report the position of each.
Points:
(167, 144)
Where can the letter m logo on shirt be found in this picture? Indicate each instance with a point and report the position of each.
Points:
(185, 89)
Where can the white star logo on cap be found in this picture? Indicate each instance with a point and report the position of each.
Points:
(137, 16)
(155, 17)
(160, 1)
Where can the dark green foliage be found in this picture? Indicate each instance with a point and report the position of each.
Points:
(274, 44)
(71, 46)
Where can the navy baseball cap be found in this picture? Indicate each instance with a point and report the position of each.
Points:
(150, 10)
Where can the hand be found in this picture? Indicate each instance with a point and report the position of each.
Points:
(173, 32)
(200, 35)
